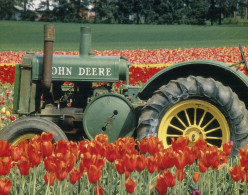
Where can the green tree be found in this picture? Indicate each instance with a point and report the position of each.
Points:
(6, 9)
(196, 12)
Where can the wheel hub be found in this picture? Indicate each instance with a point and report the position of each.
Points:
(193, 133)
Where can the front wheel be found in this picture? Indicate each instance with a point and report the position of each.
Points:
(195, 107)
(28, 127)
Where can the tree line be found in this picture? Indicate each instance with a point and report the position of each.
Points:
(131, 11)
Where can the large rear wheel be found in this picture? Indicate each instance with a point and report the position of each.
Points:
(195, 107)
(28, 127)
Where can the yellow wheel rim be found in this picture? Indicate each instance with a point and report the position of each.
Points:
(22, 138)
(194, 119)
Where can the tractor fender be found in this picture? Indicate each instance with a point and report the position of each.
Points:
(219, 71)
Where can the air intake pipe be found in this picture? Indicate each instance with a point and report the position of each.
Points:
(85, 41)
(49, 38)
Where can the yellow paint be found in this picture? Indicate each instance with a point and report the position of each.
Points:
(180, 121)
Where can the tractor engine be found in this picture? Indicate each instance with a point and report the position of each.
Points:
(60, 88)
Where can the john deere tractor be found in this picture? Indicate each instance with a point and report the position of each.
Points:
(196, 99)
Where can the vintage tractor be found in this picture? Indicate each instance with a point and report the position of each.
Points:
(196, 99)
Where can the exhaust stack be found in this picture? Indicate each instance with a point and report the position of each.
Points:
(49, 38)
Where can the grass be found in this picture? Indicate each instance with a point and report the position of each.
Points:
(28, 36)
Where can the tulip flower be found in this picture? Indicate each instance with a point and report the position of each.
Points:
(75, 175)
(119, 166)
(5, 165)
(94, 174)
(140, 163)
(227, 147)
(237, 173)
(15, 153)
(243, 158)
(196, 176)
(169, 178)
(151, 164)
(180, 175)
(4, 148)
(130, 185)
(161, 186)
(5, 186)
(110, 152)
(49, 178)
(130, 162)
(24, 166)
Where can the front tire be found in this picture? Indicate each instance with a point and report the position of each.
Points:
(195, 107)
(28, 127)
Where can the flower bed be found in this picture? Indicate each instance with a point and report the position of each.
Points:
(43, 167)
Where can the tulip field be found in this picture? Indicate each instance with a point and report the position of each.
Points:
(127, 166)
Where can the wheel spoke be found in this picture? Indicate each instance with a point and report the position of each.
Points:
(177, 128)
(203, 116)
(210, 144)
(218, 138)
(187, 116)
(194, 116)
(209, 123)
(181, 121)
(212, 130)
(172, 135)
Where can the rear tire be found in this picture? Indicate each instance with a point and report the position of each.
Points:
(28, 127)
(190, 98)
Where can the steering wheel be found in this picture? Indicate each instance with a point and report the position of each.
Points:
(243, 57)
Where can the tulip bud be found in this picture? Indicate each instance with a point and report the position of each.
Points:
(7, 113)
(12, 117)
(3, 110)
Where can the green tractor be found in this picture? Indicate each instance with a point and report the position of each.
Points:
(196, 99)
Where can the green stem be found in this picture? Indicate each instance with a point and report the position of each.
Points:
(149, 184)
(60, 187)
(110, 177)
(48, 184)
(34, 180)
(214, 183)
(245, 184)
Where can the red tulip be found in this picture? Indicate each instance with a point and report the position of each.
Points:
(180, 143)
(243, 158)
(110, 152)
(119, 166)
(227, 147)
(130, 162)
(202, 167)
(49, 164)
(140, 163)
(237, 173)
(5, 165)
(15, 153)
(5, 186)
(169, 178)
(46, 137)
(47, 148)
(4, 148)
(161, 186)
(49, 178)
(196, 176)
(180, 161)
(75, 175)
(24, 166)
(130, 185)
(151, 164)
(143, 146)
(180, 175)
(94, 174)
(34, 153)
